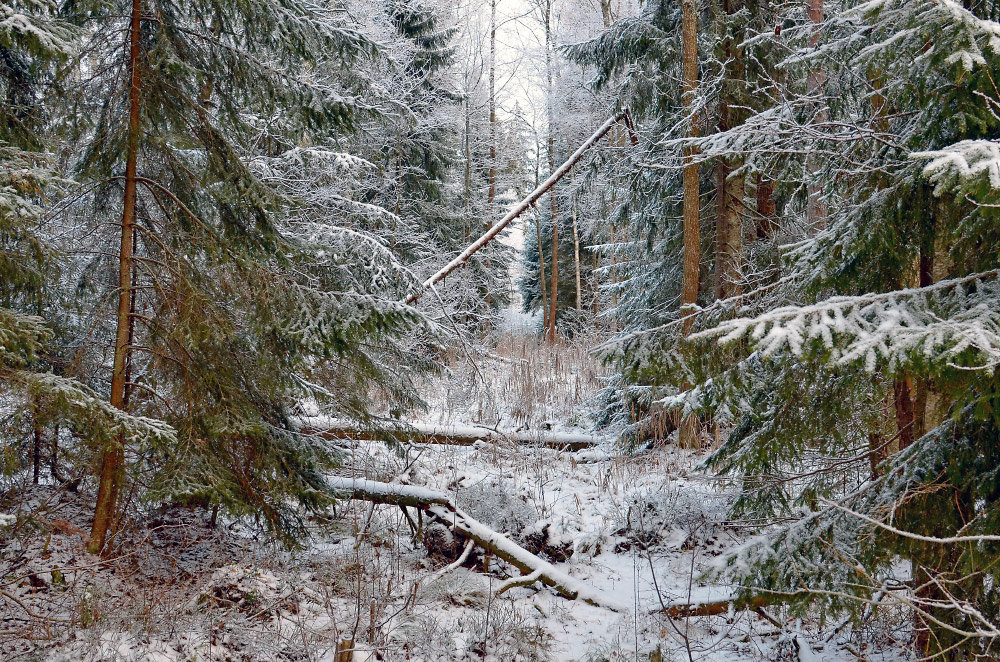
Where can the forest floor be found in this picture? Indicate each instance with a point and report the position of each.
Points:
(639, 528)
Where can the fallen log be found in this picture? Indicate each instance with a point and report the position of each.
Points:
(456, 435)
(441, 507)
(718, 608)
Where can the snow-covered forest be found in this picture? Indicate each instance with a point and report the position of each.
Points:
(659, 330)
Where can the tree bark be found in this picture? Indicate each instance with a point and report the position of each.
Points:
(493, 114)
(576, 261)
(766, 208)
(459, 436)
(541, 273)
(112, 468)
(729, 232)
(688, 433)
(816, 210)
(904, 411)
(36, 451)
(730, 187)
(554, 288)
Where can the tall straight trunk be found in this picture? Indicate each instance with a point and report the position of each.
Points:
(493, 112)
(112, 463)
(729, 231)
(688, 432)
(541, 255)
(576, 260)
(816, 210)
(925, 278)
(595, 304)
(554, 289)
(576, 240)
(730, 189)
(468, 170)
(541, 272)
(36, 451)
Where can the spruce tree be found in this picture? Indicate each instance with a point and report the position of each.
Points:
(231, 308)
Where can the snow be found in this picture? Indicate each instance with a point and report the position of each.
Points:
(481, 432)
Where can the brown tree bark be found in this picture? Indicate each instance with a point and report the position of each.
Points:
(729, 232)
(766, 208)
(112, 463)
(688, 433)
(904, 411)
(730, 186)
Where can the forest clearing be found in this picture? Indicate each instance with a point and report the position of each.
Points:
(598, 330)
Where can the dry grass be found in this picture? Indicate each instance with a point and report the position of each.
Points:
(518, 381)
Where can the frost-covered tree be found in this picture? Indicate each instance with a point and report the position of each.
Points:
(236, 297)
(866, 415)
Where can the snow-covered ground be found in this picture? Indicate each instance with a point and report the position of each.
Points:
(635, 530)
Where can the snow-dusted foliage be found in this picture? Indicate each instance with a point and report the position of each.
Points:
(954, 322)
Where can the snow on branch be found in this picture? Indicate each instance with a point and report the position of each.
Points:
(940, 321)
(963, 161)
(440, 506)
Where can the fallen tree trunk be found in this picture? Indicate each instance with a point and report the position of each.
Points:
(527, 203)
(718, 608)
(451, 435)
(440, 506)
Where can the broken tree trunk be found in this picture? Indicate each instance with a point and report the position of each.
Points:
(449, 435)
(527, 203)
(440, 506)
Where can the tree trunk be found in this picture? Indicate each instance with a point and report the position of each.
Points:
(729, 232)
(554, 289)
(576, 260)
(766, 208)
(688, 433)
(468, 171)
(36, 451)
(541, 273)
(112, 468)
(729, 197)
(440, 506)
(816, 211)
(493, 113)
(904, 411)
(606, 12)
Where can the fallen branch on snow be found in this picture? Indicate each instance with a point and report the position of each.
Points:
(718, 608)
(440, 506)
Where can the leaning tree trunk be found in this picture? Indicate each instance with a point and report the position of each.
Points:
(112, 463)
(688, 429)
